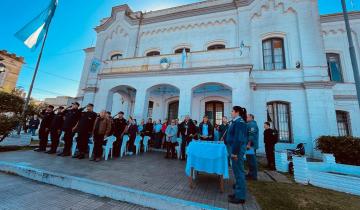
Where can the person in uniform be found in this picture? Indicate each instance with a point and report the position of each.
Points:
(119, 128)
(252, 145)
(71, 117)
(270, 139)
(187, 131)
(55, 130)
(237, 137)
(101, 130)
(132, 131)
(206, 130)
(84, 129)
(171, 139)
(47, 116)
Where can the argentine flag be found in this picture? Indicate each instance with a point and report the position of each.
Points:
(33, 33)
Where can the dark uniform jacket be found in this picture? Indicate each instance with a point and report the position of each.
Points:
(148, 129)
(57, 122)
(86, 122)
(253, 134)
(47, 118)
(237, 136)
(34, 123)
(270, 137)
(187, 128)
(119, 126)
(71, 117)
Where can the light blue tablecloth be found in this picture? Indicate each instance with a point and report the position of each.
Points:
(207, 157)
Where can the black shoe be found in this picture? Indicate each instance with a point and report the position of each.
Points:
(60, 154)
(231, 196)
(81, 157)
(75, 156)
(236, 201)
(97, 159)
(93, 159)
(51, 152)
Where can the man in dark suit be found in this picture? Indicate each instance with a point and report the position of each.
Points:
(187, 131)
(55, 130)
(47, 116)
(237, 137)
(270, 139)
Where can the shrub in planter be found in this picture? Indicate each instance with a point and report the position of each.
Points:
(346, 149)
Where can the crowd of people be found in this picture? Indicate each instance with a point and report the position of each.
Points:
(240, 136)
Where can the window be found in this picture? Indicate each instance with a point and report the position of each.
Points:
(279, 118)
(274, 54)
(153, 53)
(173, 110)
(343, 123)
(334, 67)
(150, 109)
(180, 50)
(216, 47)
(115, 57)
(215, 111)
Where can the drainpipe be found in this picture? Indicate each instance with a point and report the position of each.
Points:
(138, 34)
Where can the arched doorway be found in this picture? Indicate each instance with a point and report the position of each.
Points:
(173, 110)
(215, 111)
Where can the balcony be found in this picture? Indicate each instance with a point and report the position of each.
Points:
(223, 57)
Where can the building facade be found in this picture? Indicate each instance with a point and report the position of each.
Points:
(12, 64)
(60, 101)
(279, 59)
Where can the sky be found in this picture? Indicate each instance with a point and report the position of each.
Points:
(72, 30)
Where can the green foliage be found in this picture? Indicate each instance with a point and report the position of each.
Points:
(10, 103)
(346, 149)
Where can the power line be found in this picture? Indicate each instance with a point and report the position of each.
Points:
(52, 74)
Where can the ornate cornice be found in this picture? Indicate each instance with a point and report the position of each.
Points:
(180, 71)
(190, 10)
(291, 86)
(338, 17)
(345, 97)
(5, 53)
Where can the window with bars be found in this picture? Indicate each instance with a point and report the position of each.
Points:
(274, 54)
(343, 123)
(334, 67)
(216, 47)
(153, 53)
(279, 118)
(117, 56)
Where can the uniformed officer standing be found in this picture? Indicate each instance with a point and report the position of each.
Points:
(55, 130)
(71, 117)
(237, 137)
(253, 145)
(47, 117)
(84, 129)
(270, 139)
(119, 127)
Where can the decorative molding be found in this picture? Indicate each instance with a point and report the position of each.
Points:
(190, 26)
(271, 4)
(338, 17)
(291, 86)
(181, 71)
(345, 97)
(90, 89)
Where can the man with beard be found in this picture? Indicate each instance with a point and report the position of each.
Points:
(47, 116)
(55, 130)
(71, 117)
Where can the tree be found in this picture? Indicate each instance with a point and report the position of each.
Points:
(11, 106)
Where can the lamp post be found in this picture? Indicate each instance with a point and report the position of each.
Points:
(352, 51)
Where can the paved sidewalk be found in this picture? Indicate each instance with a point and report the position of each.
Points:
(20, 193)
(148, 172)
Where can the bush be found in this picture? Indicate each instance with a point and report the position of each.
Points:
(346, 149)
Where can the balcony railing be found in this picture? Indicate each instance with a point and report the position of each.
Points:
(230, 56)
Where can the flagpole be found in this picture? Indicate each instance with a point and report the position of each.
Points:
(352, 51)
(27, 101)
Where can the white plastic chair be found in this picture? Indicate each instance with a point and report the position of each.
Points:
(74, 145)
(123, 148)
(178, 147)
(91, 147)
(137, 143)
(146, 143)
(108, 148)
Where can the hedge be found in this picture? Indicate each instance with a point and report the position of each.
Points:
(346, 149)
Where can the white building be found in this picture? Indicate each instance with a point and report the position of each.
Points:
(270, 56)
(60, 101)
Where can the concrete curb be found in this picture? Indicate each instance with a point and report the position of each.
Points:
(115, 192)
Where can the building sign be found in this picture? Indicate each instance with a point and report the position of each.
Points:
(164, 63)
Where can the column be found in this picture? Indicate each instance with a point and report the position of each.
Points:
(140, 104)
(241, 92)
(185, 101)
